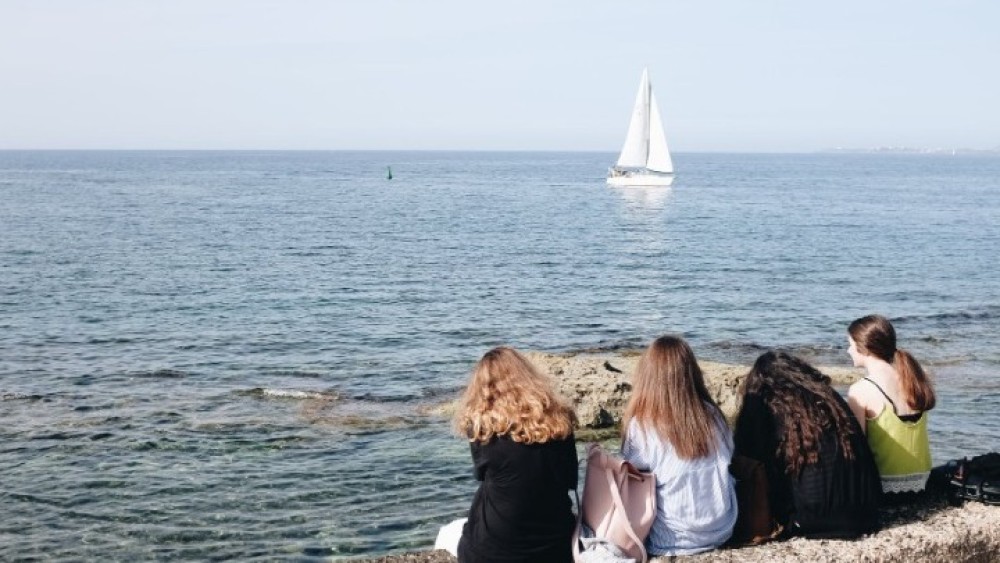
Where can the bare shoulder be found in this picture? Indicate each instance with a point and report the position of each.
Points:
(864, 395)
(859, 388)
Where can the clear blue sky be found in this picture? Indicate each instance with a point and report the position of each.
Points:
(519, 74)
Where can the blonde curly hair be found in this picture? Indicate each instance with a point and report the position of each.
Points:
(507, 395)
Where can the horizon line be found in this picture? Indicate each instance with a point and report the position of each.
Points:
(831, 150)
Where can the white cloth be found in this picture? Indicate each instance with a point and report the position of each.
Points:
(915, 482)
(696, 498)
(600, 550)
(449, 536)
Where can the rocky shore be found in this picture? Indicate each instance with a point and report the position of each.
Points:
(928, 529)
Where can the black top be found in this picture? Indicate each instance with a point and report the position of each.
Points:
(522, 511)
(834, 497)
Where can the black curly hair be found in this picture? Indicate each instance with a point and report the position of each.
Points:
(804, 406)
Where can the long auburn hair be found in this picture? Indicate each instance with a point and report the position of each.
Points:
(874, 336)
(669, 396)
(804, 406)
(507, 395)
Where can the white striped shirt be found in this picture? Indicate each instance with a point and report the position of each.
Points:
(696, 498)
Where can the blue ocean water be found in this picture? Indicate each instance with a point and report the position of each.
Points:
(210, 355)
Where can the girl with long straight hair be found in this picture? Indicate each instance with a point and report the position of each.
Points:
(822, 479)
(673, 428)
(891, 403)
(523, 452)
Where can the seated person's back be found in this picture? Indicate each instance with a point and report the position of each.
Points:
(821, 475)
(673, 428)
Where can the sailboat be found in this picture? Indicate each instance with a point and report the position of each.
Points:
(645, 158)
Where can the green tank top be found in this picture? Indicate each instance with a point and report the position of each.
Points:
(901, 449)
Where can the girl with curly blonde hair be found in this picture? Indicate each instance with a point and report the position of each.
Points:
(524, 455)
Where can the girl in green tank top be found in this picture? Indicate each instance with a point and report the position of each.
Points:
(891, 404)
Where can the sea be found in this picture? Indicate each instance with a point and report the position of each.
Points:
(238, 355)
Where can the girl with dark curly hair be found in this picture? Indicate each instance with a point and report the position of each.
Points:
(822, 478)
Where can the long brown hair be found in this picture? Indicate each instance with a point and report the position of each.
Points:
(874, 336)
(669, 395)
(804, 406)
(507, 395)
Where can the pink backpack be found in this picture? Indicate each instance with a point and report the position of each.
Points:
(619, 503)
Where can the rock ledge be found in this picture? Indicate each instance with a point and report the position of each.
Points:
(928, 530)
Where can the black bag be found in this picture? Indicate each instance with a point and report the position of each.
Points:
(975, 479)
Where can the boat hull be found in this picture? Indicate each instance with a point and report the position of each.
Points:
(647, 180)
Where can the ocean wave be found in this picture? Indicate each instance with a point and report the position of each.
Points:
(949, 360)
(357, 399)
(816, 350)
(111, 340)
(624, 345)
(730, 350)
(166, 373)
(298, 394)
(21, 397)
(373, 398)
(295, 373)
(91, 408)
(362, 424)
(986, 312)
(736, 348)
(435, 392)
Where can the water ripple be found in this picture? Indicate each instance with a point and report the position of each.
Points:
(231, 355)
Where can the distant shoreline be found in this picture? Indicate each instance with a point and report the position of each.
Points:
(609, 152)
(914, 151)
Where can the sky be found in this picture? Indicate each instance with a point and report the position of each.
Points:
(729, 75)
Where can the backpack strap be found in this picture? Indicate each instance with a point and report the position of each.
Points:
(576, 530)
(579, 506)
(616, 498)
(620, 505)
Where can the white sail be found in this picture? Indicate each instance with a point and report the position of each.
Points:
(645, 157)
(636, 148)
(659, 154)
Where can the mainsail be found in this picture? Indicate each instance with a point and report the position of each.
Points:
(646, 144)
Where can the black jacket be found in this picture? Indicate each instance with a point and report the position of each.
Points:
(522, 511)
